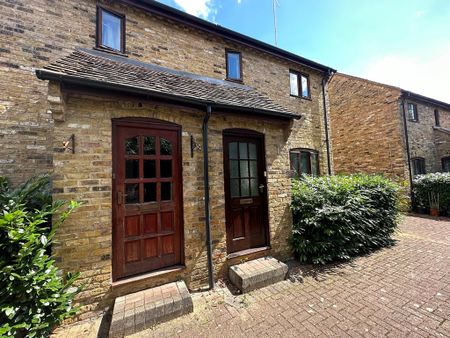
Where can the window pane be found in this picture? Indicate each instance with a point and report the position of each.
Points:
(252, 151)
(149, 168)
(243, 150)
(132, 146)
(232, 150)
(245, 188)
(294, 163)
(254, 187)
(166, 191)
(149, 192)
(293, 78)
(446, 165)
(132, 169)
(412, 111)
(243, 166)
(111, 30)
(234, 66)
(305, 89)
(436, 118)
(131, 193)
(166, 168)
(253, 169)
(314, 164)
(166, 147)
(149, 145)
(234, 168)
(304, 163)
(234, 187)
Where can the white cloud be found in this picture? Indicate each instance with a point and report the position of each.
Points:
(200, 8)
(428, 75)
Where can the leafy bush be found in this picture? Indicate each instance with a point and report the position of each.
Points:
(432, 184)
(338, 217)
(34, 296)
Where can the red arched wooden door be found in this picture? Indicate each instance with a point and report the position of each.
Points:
(147, 196)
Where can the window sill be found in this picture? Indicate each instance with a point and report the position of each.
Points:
(301, 97)
(235, 80)
(111, 51)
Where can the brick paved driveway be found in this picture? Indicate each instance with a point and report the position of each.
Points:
(403, 291)
(396, 292)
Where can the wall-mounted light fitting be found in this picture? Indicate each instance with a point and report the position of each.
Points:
(194, 146)
(69, 145)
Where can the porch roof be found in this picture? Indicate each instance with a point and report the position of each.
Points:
(107, 71)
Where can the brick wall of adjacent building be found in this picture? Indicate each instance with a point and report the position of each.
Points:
(38, 32)
(367, 128)
(425, 141)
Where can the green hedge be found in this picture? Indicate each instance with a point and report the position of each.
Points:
(337, 217)
(432, 184)
(35, 296)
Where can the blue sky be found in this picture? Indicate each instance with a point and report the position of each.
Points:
(400, 42)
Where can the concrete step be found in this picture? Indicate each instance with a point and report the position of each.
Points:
(140, 310)
(257, 273)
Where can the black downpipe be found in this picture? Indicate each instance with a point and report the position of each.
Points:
(206, 184)
(408, 154)
(325, 117)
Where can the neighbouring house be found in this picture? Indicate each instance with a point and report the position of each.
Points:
(377, 128)
(179, 136)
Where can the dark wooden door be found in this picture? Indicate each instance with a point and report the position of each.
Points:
(147, 206)
(245, 190)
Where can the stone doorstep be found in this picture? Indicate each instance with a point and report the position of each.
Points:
(141, 310)
(257, 273)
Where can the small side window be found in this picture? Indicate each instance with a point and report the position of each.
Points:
(412, 112)
(234, 67)
(304, 161)
(418, 166)
(446, 164)
(299, 84)
(110, 30)
(437, 123)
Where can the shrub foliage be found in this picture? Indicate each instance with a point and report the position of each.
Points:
(337, 217)
(437, 184)
(34, 295)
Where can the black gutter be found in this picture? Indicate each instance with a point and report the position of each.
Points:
(207, 206)
(165, 11)
(325, 79)
(44, 74)
(418, 97)
(408, 152)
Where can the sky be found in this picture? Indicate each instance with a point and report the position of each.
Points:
(405, 43)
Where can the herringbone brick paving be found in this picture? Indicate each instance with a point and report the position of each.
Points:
(402, 291)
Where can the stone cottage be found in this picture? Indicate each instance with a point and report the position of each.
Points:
(179, 136)
(378, 128)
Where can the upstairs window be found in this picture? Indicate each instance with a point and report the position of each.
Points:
(304, 161)
(234, 65)
(418, 166)
(299, 84)
(446, 164)
(437, 123)
(412, 112)
(110, 30)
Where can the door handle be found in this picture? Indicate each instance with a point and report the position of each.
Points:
(261, 188)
